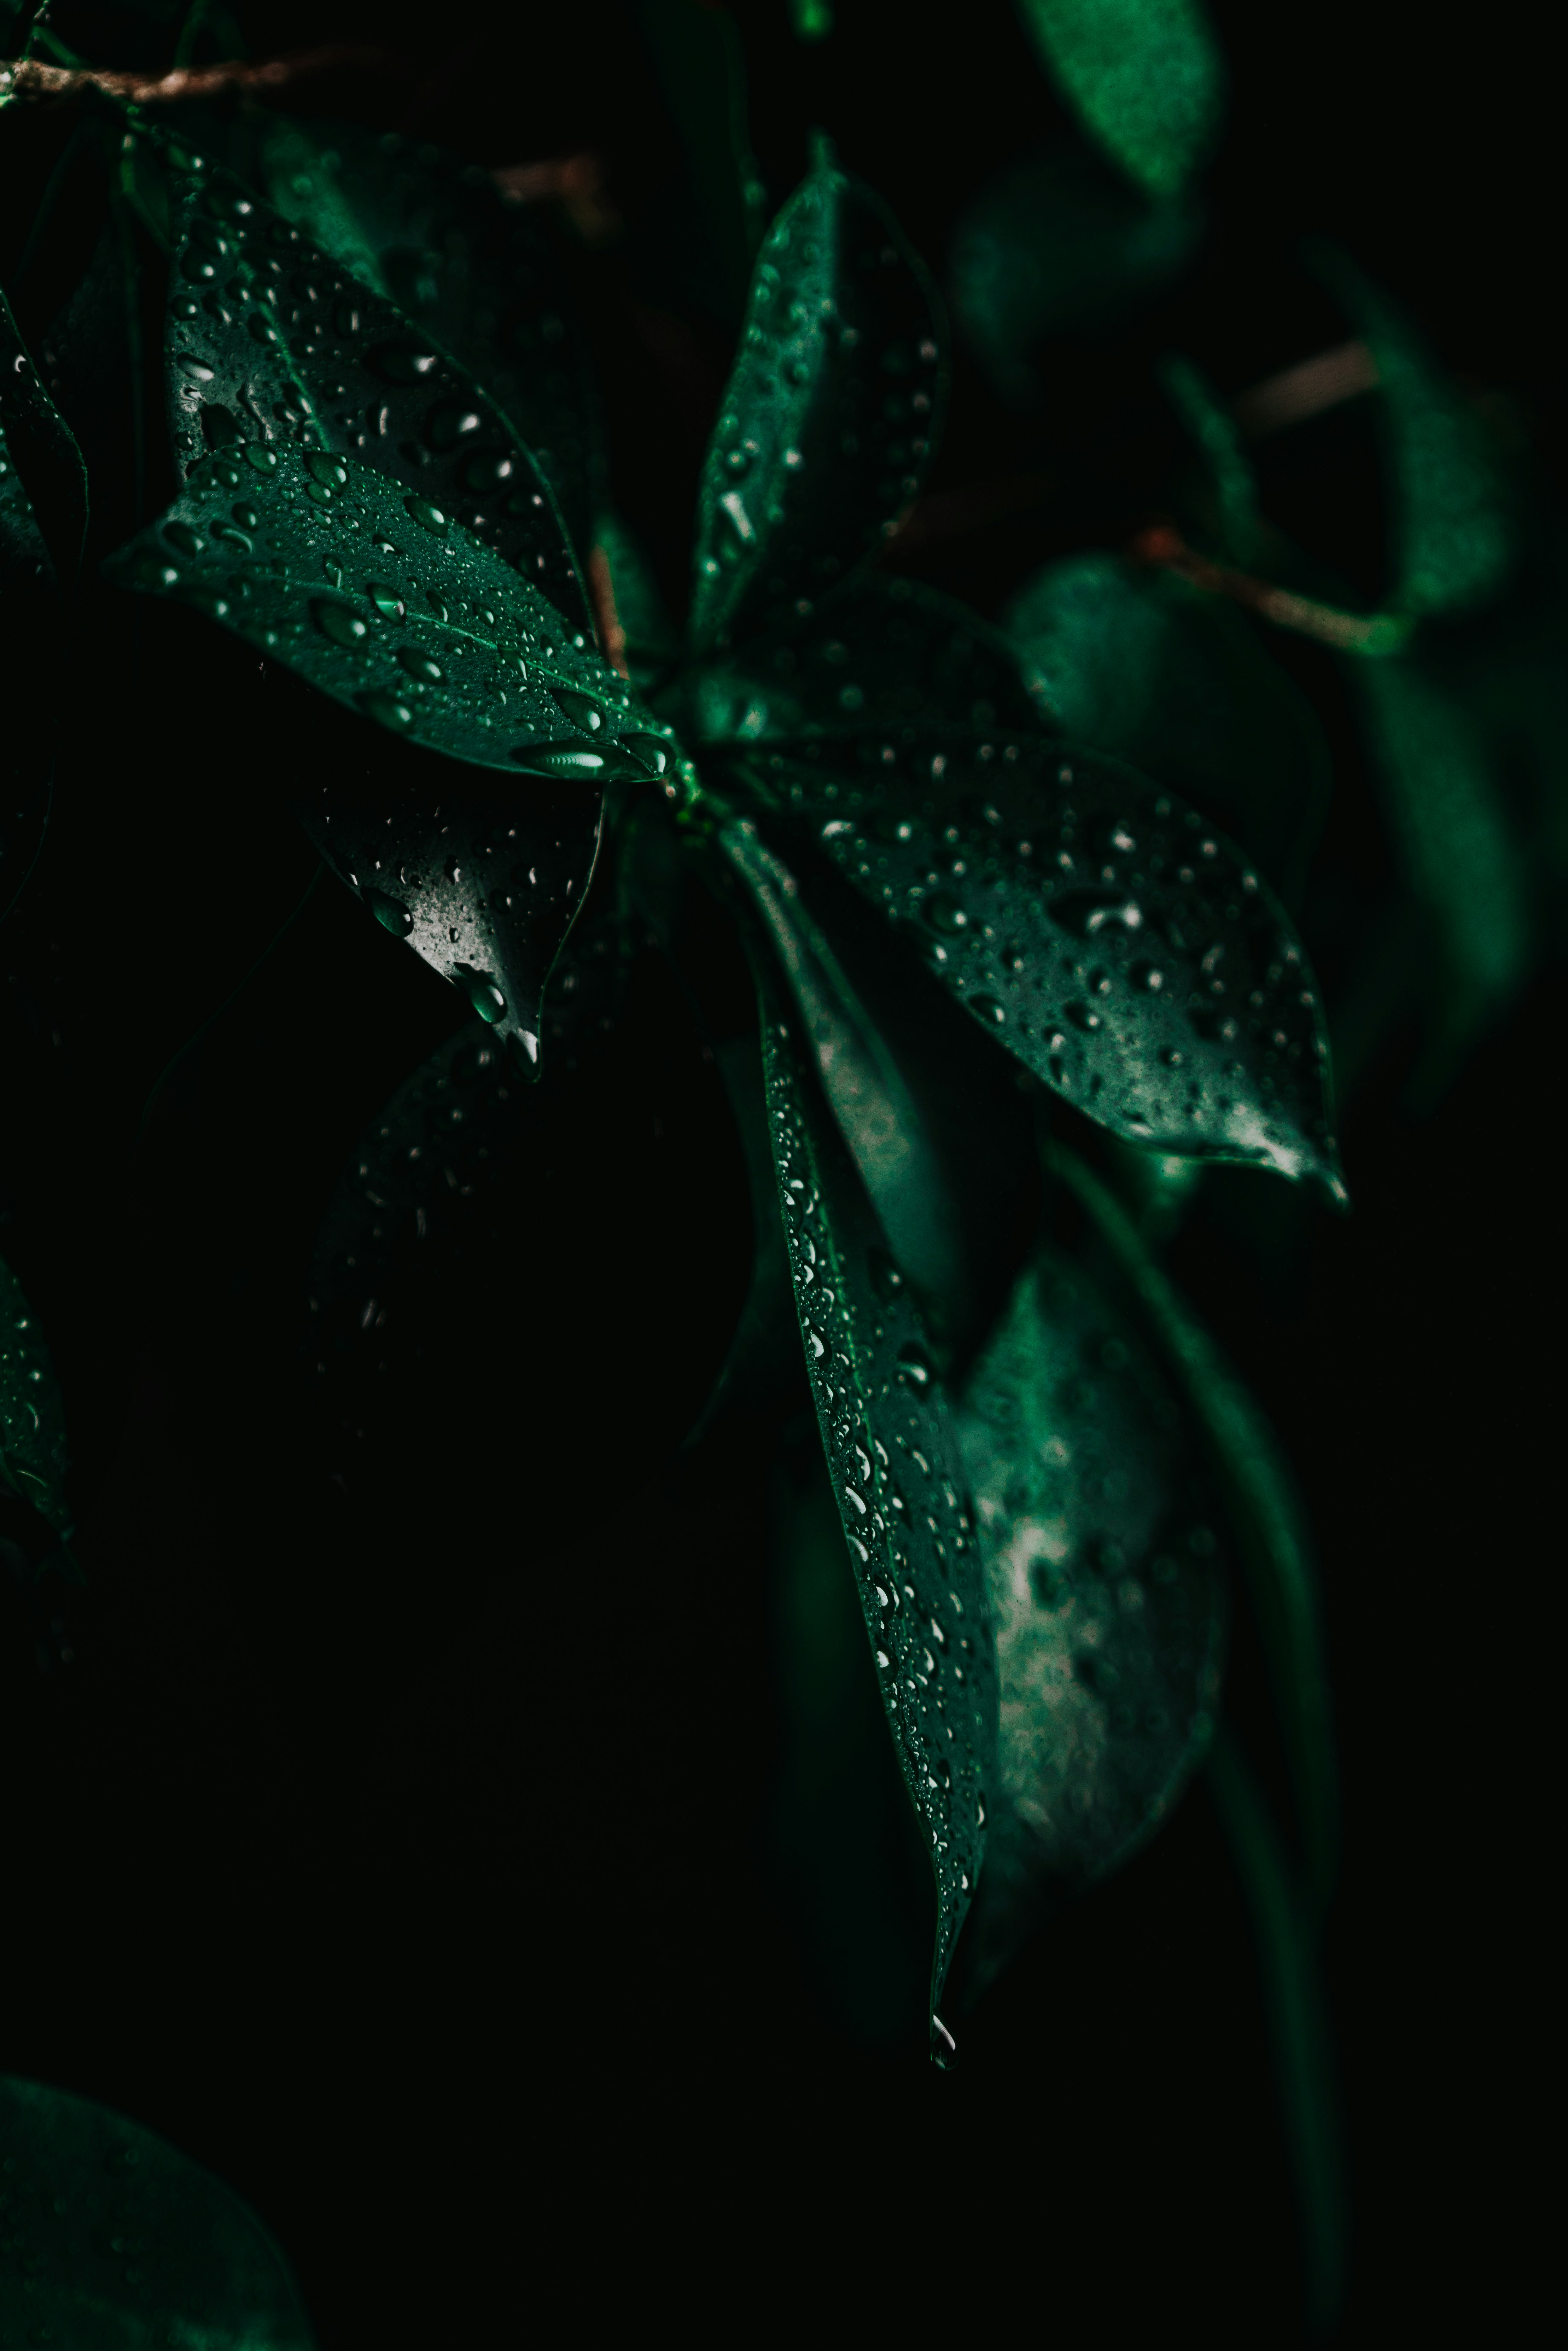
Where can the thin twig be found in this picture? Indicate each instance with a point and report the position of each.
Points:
(1374, 632)
(28, 78)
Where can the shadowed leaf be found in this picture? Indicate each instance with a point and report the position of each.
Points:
(1099, 1534)
(32, 1418)
(1145, 78)
(829, 419)
(1101, 931)
(117, 2242)
(897, 1478)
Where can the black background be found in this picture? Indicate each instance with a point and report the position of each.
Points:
(392, 1844)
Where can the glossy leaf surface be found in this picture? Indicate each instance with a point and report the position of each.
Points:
(112, 2241)
(898, 1480)
(877, 656)
(1058, 244)
(876, 1117)
(1262, 1511)
(1145, 77)
(1143, 666)
(32, 1418)
(1101, 931)
(828, 418)
(377, 600)
(269, 340)
(479, 273)
(1103, 1548)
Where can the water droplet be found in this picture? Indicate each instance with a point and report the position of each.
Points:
(568, 759)
(986, 1007)
(181, 537)
(651, 754)
(391, 912)
(387, 602)
(196, 370)
(579, 709)
(915, 1367)
(387, 711)
(449, 423)
(945, 914)
(339, 623)
(428, 516)
(419, 665)
(258, 454)
(816, 1341)
(484, 996)
(1083, 1018)
(402, 362)
(330, 472)
(885, 1277)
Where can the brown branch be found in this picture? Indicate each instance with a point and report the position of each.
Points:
(1374, 632)
(27, 78)
(606, 620)
(1308, 389)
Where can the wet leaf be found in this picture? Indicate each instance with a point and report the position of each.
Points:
(1102, 1545)
(1142, 665)
(33, 1458)
(1454, 521)
(897, 1478)
(1262, 1511)
(268, 340)
(37, 440)
(382, 603)
(830, 416)
(1442, 791)
(114, 2239)
(1146, 78)
(480, 274)
(30, 590)
(1098, 929)
(876, 1116)
(1058, 244)
(876, 656)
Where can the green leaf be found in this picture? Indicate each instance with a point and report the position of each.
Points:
(876, 1116)
(830, 416)
(1454, 520)
(34, 434)
(876, 656)
(269, 340)
(377, 600)
(1238, 524)
(1101, 1546)
(897, 1478)
(699, 68)
(1441, 791)
(30, 592)
(1058, 244)
(32, 1418)
(1092, 924)
(117, 2242)
(1264, 1515)
(1295, 2010)
(653, 642)
(1145, 78)
(1155, 672)
(479, 274)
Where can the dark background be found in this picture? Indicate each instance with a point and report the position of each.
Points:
(389, 1838)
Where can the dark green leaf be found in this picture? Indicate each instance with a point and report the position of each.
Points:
(1297, 2027)
(1145, 77)
(1143, 666)
(269, 340)
(897, 1477)
(1101, 931)
(1101, 1547)
(114, 2242)
(32, 1418)
(700, 69)
(34, 435)
(1058, 244)
(1441, 789)
(478, 273)
(1455, 529)
(652, 639)
(31, 601)
(1237, 524)
(829, 419)
(876, 1116)
(375, 598)
(877, 656)
(1264, 1514)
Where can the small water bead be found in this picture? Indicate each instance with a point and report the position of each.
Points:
(945, 914)
(403, 362)
(449, 424)
(986, 1007)
(915, 1367)
(885, 1279)
(651, 754)
(340, 622)
(429, 516)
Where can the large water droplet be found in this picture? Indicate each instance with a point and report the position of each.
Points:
(945, 914)
(391, 912)
(428, 516)
(330, 472)
(651, 754)
(915, 1367)
(568, 759)
(258, 454)
(448, 423)
(579, 709)
(181, 536)
(484, 996)
(387, 711)
(986, 1007)
(387, 602)
(339, 623)
(419, 666)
